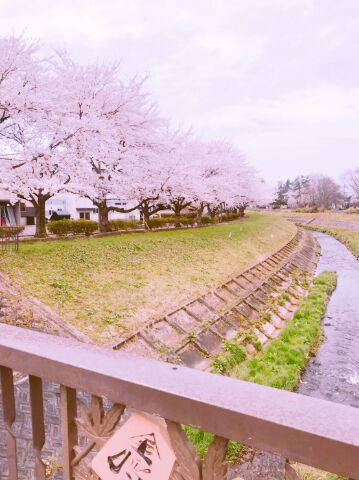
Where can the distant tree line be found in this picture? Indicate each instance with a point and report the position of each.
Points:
(318, 191)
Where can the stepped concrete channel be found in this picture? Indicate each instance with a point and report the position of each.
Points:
(194, 333)
(191, 335)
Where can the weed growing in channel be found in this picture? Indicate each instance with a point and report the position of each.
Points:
(281, 363)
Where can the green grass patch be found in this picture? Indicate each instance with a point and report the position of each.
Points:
(281, 364)
(109, 286)
(202, 440)
(232, 354)
(308, 473)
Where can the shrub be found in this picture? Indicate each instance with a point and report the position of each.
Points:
(87, 227)
(76, 227)
(186, 221)
(206, 220)
(192, 215)
(306, 210)
(59, 227)
(186, 215)
(10, 231)
(228, 217)
(352, 210)
(170, 220)
(120, 224)
(158, 222)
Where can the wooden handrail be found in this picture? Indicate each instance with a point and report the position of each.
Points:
(308, 430)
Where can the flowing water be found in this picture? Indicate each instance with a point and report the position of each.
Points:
(334, 373)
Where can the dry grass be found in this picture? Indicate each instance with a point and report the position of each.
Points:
(107, 287)
(309, 473)
(326, 216)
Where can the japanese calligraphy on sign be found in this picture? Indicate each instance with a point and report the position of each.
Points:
(139, 450)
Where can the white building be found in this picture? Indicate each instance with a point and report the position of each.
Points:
(20, 213)
(79, 207)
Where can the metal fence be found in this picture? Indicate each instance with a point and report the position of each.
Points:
(304, 429)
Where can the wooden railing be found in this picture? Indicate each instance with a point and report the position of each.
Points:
(307, 430)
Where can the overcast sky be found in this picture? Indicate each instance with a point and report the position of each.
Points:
(278, 77)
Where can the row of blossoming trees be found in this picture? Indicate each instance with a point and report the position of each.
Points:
(81, 129)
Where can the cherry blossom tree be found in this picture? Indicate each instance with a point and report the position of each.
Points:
(116, 129)
(226, 180)
(18, 74)
(179, 189)
(150, 174)
(17, 83)
(33, 130)
(65, 126)
(212, 176)
(208, 165)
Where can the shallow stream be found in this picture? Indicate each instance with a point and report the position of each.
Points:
(334, 373)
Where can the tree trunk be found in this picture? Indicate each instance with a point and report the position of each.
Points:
(241, 211)
(146, 216)
(40, 216)
(199, 215)
(177, 210)
(103, 223)
(212, 213)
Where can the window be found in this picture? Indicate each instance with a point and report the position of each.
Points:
(85, 215)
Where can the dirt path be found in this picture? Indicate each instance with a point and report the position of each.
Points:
(347, 225)
(322, 222)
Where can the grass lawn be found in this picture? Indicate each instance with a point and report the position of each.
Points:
(107, 287)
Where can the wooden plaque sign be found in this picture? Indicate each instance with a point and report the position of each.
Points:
(139, 450)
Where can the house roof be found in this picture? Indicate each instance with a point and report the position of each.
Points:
(62, 213)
